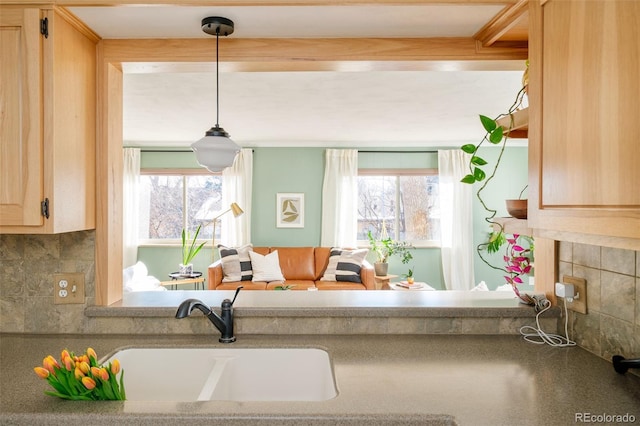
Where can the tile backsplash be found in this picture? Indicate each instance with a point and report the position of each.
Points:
(27, 265)
(612, 323)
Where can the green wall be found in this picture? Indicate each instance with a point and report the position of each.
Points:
(302, 169)
(510, 179)
(286, 170)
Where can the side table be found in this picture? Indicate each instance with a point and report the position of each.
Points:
(418, 286)
(382, 281)
(182, 279)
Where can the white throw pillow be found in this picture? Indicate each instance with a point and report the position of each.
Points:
(266, 268)
(482, 286)
(505, 287)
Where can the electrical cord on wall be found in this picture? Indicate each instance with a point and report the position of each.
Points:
(539, 337)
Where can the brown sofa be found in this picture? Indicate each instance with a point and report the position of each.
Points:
(302, 268)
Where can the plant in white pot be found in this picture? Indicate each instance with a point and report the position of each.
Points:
(189, 250)
(384, 247)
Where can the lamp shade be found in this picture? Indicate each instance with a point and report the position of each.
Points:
(236, 210)
(215, 152)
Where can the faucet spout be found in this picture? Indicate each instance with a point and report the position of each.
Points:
(223, 322)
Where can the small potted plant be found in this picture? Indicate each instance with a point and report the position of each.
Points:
(189, 251)
(409, 276)
(384, 247)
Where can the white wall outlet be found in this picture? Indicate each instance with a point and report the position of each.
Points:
(68, 288)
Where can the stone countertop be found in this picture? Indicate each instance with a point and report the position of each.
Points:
(372, 303)
(381, 380)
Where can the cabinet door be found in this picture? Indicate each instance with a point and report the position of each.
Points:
(21, 158)
(585, 127)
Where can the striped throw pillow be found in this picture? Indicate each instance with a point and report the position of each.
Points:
(236, 263)
(330, 272)
(349, 265)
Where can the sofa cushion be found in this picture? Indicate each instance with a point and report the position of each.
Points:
(236, 263)
(297, 263)
(266, 268)
(349, 264)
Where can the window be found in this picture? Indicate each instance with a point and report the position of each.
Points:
(406, 203)
(172, 201)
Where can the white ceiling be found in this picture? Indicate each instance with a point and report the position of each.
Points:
(309, 108)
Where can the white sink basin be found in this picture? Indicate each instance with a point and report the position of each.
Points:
(242, 374)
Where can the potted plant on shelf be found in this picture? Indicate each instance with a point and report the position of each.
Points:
(189, 251)
(384, 247)
(496, 134)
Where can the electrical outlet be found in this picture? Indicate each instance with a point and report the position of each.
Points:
(579, 303)
(68, 288)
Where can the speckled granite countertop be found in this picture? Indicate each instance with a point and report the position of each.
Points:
(382, 380)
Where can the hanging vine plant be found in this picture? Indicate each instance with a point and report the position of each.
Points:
(480, 171)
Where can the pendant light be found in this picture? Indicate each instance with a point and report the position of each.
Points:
(215, 150)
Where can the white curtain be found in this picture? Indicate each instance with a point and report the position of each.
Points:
(237, 188)
(456, 220)
(130, 205)
(340, 199)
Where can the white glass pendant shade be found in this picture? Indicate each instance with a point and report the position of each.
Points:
(215, 152)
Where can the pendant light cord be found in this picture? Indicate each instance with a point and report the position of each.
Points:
(217, 80)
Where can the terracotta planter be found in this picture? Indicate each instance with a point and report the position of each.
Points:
(517, 208)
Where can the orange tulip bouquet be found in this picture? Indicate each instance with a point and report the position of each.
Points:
(82, 378)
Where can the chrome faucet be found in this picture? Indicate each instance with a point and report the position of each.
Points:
(223, 322)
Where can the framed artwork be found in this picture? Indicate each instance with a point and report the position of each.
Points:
(290, 210)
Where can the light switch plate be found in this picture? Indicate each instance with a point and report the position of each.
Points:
(68, 288)
(578, 304)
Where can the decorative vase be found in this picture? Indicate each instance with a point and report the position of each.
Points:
(410, 280)
(381, 268)
(186, 269)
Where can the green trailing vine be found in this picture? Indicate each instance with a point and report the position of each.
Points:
(495, 135)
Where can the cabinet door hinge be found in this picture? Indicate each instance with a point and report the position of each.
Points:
(44, 27)
(44, 208)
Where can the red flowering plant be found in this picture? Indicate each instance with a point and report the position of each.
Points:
(82, 378)
(518, 261)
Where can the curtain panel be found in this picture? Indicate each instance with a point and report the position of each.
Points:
(340, 198)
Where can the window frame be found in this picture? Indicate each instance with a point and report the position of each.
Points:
(184, 173)
(398, 172)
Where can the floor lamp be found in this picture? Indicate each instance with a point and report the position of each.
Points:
(237, 211)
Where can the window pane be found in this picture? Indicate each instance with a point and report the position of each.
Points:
(204, 195)
(420, 212)
(406, 206)
(376, 205)
(160, 206)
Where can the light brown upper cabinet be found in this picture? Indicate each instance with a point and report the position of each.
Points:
(584, 118)
(47, 122)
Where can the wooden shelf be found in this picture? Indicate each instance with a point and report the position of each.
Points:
(511, 225)
(520, 127)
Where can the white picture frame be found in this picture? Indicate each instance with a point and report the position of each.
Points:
(290, 210)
